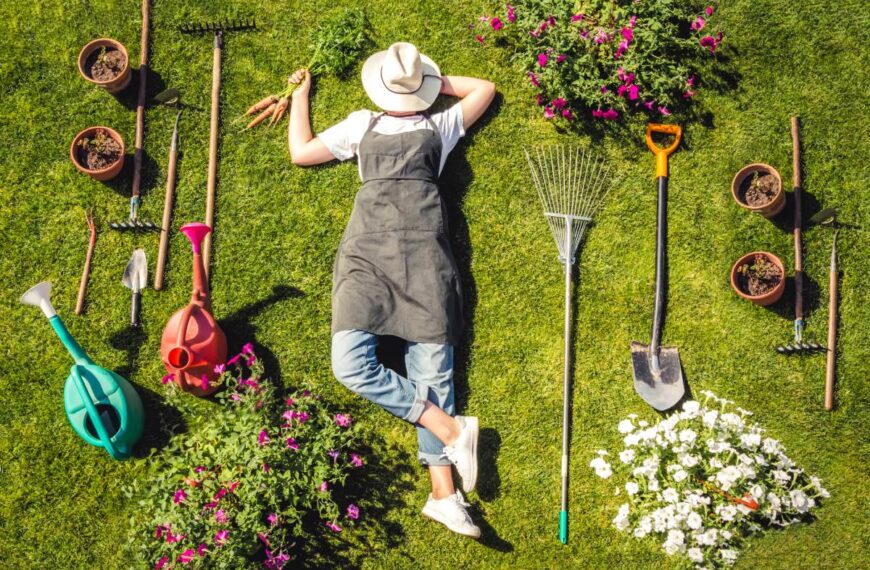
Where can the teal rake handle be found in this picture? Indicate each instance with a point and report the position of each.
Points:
(563, 527)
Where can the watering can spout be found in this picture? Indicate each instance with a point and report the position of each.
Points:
(40, 296)
(196, 232)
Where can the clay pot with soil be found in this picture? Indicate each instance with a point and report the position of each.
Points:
(759, 277)
(98, 152)
(104, 62)
(758, 187)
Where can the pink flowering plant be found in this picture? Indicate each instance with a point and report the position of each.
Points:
(605, 59)
(256, 475)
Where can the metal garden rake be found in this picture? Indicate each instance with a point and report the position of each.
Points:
(572, 184)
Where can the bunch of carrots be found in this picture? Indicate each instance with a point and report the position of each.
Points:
(337, 45)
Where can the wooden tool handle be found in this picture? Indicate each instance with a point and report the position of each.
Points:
(831, 368)
(83, 284)
(140, 104)
(212, 149)
(798, 255)
(167, 217)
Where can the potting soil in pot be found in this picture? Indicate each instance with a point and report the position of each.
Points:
(758, 277)
(100, 152)
(759, 189)
(105, 64)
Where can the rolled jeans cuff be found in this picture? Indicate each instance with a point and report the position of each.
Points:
(416, 410)
(429, 459)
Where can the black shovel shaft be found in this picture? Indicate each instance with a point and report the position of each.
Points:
(135, 303)
(661, 264)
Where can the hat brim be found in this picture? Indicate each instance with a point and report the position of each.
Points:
(387, 100)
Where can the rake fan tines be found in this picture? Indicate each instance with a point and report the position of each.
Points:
(225, 25)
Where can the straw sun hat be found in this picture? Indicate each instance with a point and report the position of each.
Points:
(401, 79)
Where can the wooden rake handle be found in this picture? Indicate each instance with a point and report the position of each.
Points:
(140, 104)
(797, 183)
(212, 147)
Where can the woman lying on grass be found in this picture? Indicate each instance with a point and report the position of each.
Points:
(395, 273)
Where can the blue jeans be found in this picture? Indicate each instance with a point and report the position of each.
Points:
(430, 377)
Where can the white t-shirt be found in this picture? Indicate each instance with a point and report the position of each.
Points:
(342, 139)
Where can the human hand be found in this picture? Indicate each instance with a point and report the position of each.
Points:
(302, 78)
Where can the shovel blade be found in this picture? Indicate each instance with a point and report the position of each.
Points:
(661, 389)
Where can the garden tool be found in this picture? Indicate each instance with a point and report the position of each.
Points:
(798, 346)
(828, 217)
(167, 207)
(135, 278)
(218, 28)
(193, 343)
(102, 407)
(658, 373)
(86, 271)
(134, 223)
(572, 184)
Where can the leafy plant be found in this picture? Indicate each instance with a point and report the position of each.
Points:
(704, 479)
(338, 42)
(101, 143)
(607, 58)
(245, 485)
(761, 269)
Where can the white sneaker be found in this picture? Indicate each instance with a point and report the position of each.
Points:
(463, 452)
(450, 511)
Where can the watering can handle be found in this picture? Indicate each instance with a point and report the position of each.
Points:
(93, 414)
(662, 153)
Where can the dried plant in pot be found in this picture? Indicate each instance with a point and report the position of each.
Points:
(98, 152)
(105, 62)
(758, 187)
(760, 277)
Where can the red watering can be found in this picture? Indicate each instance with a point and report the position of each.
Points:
(193, 343)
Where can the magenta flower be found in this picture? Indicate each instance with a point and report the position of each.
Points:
(248, 348)
(539, 99)
(220, 516)
(604, 89)
(342, 420)
(559, 103)
(698, 23)
(276, 561)
(584, 34)
(334, 454)
(172, 538)
(203, 382)
(167, 379)
(232, 486)
(627, 34)
(272, 518)
(632, 92)
(632, 21)
(187, 556)
(548, 112)
(221, 537)
(266, 467)
(199, 469)
(551, 21)
(496, 23)
(664, 110)
(649, 105)
(688, 94)
(210, 505)
(263, 438)
(601, 36)
(355, 459)
(480, 39)
(709, 10)
(179, 496)
(566, 113)
(352, 511)
(561, 58)
(710, 43)
(621, 49)
(291, 443)
(302, 417)
(578, 17)
(511, 15)
(691, 80)
(220, 368)
(161, 563)
(324, 487)
(201, 550)
(264, 539)
(609, 115)
(289, 402)
(161, 528)
(620, 91)
(333, 527)
(534, 79)
(542, 59)
(235, 397)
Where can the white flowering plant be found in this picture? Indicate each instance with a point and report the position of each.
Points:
(705, 478)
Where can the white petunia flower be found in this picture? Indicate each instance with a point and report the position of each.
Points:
(709, 418)
(727, 477)
(800, 501)
(621, 521)
(726, 512)
(750, 440)
(643, 423)
(707, 538)
(625, 426)
(695, 555)
(602, 452)
(670, 495)
(689, 461)
(631, 440)
(680, 476)
(694, 521)
(781, 477)
(626, 456)
(652, 484)
(632, 488)
(688, 436)
(691, 406)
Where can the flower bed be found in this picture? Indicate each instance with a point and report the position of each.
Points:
(608, 58)
(247, 484)
(704, 479)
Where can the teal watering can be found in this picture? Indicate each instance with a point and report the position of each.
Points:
(102, 407)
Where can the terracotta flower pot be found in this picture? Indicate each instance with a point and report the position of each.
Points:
(771, 296)
(112, 85)
(739, 184)
(102, 174)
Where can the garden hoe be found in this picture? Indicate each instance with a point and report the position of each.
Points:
(572, 184)
(167, 208)
(658, 374)
(218, 29)
(828, 217)
(135, 278)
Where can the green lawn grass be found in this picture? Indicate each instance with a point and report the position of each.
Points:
(277, 225)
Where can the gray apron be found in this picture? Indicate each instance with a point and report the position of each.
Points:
(395, 273)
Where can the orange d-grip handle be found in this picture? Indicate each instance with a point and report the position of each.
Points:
(662, 153)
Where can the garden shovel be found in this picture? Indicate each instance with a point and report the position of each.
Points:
(658, 374)
(135, 277)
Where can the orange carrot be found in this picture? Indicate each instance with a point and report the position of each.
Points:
(261, 104)
(279, 111)
(261, 117)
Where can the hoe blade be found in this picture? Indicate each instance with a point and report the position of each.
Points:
(663, 388)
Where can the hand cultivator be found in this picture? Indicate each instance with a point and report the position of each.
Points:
(572, 185)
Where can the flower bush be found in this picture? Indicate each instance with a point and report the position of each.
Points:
(606, 58)
(244, 486)
(704, 479)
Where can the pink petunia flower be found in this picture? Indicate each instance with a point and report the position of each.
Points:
(609, 115)
(562, 57)
(534, 79)
(620, 91)
(266, 467)
(234, 360)
(627, 34)
(709, 10)
(496, 23)
(173, 538)
(566, 113)
(201, 550)
(539, 99)
(480, 39)
(691, 80)
(584, 34)
(698, 23)
(276, 561)
(551, 21)
(333, 454)
(604, 89)
(511, 15)
(324, 487)
(291, 444)
(289, 402)
(235, 397)
(232, 486)
(688, 94)
(542, 59)
(179, 496)
(559, 103)
(352, 511)
(548, 112)
(272, 519)
(342, 420)
(199, 469)
(167, 379)
(302, 417)
(356, 460)
(601, 36)
(263, 438)
(248, 348)
(710, 43)
(203, 382)
(664, 110)
(632, 21)
(578, 17)
(649, 104)
(221, 537)
(187, 556)
(220, 516)
(161, 563)
(632, 92)
(264, 539)
(621, 49)
(220, 368)
(333, 527)
(220, 494)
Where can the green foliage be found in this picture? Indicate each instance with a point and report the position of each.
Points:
(610, 57)
(244, 485)
(338, 42)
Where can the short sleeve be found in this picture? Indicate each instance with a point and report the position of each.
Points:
(343, 138)
(449, 123)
